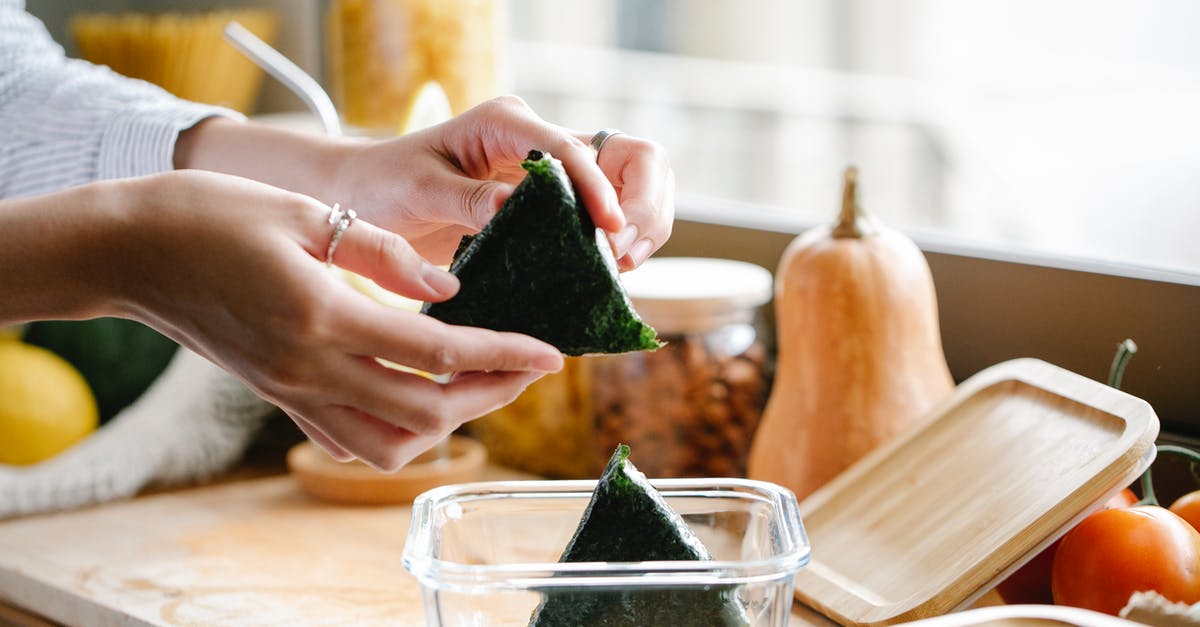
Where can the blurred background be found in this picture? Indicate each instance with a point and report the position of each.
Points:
(1066, 129)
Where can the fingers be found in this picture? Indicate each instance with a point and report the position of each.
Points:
(395, 416)
(379, 444)
(664, 224)
(477, 200)
(423, 406)
(421, 342)
(639, 169)
(320, 439)
(597, 193)
(390, 261)
(524, 130)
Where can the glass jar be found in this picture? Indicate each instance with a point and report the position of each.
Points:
(380, 52)
(690, 408)
(547, 430)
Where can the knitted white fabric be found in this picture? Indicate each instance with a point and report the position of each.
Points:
(193, 422)
(65, 122)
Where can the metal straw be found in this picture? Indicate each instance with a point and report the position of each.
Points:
(286, 72)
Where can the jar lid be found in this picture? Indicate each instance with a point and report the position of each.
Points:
(687, 294)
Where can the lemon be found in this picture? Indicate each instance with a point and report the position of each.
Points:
(427, 107)
(11, 333)
(45, 404)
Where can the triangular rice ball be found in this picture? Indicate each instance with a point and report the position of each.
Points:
(542, 268)
(627, 520)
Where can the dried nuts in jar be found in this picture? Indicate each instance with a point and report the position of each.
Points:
(688, 409)
(691, 407)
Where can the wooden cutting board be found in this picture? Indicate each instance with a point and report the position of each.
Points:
(259, 552)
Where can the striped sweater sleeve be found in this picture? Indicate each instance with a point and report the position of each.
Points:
(64, 122)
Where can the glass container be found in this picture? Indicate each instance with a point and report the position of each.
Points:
(690, 408)
(380, 52)
(487, 553)
(548, 429)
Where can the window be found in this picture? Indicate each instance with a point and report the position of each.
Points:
(1067, 128)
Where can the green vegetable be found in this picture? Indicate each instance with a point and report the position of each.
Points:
(118, 358)
(540, 268)
(628, 521)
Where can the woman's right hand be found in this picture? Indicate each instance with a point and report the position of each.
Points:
(234, 270)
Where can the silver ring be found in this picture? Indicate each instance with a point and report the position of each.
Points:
(341, 219)
(601, 136)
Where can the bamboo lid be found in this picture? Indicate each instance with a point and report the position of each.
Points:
(929, 522)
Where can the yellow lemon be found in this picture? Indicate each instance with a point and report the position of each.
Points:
(45, 404)
(11, 333)
(427, 107)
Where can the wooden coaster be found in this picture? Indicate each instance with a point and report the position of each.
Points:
(354, 482)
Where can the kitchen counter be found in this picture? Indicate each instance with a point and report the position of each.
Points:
(247, 552)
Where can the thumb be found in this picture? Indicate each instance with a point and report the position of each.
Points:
(473, 202)
(389, 260)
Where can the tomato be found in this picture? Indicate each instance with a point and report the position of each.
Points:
(1114, 553)
(1031, 582)
(1187, 507)
(1124, 498)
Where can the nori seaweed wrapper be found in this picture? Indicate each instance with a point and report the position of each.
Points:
(541, 268)
(627, 520)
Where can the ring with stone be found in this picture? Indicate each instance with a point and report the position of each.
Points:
(341, 219)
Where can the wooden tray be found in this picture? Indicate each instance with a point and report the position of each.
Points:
(356, 483)
(1008, 463)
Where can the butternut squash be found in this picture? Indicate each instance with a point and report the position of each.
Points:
(859, 349)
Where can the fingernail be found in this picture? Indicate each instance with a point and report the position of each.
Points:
(440, 281)
(624, 239)
(640, 251)
(549, 362)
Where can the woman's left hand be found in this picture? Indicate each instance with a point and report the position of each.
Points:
(436, 185)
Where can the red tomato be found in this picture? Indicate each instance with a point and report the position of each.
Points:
(1114, 553)
(1031, 582)
(1124, 498)
(1187, 507)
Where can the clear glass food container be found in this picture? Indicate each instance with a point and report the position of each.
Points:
(486, 553)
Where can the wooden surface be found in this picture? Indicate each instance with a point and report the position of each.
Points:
(256, 552)
(921, 526)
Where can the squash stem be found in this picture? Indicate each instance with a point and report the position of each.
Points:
(852, 222)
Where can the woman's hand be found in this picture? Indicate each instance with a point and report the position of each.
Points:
(436, 185)
(234, 270)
